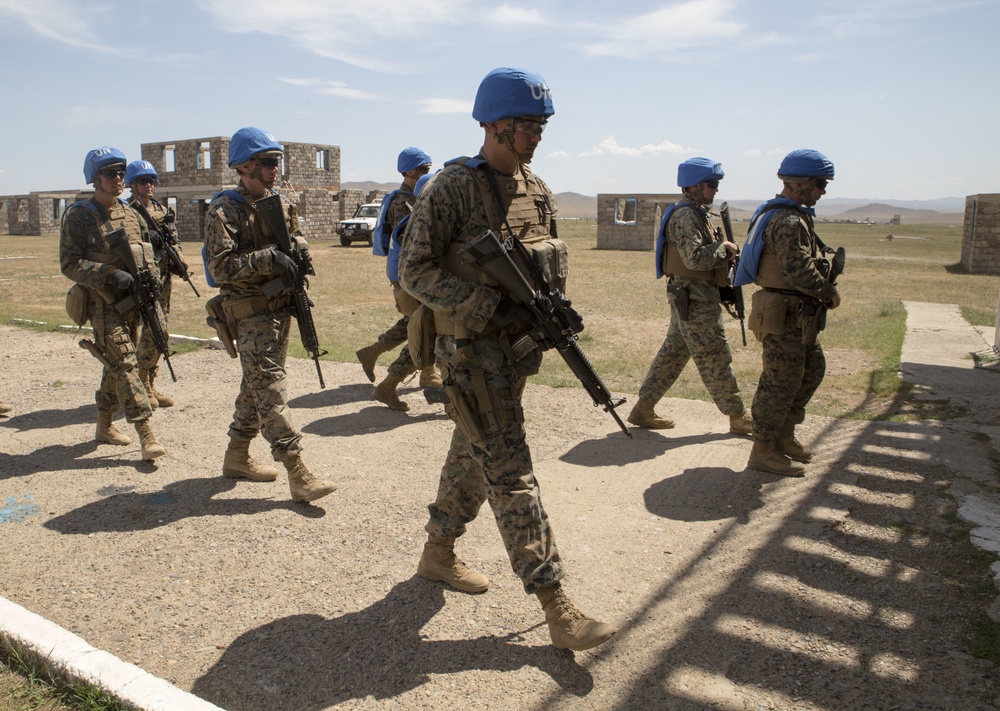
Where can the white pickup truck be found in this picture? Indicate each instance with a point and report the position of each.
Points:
(360, 227)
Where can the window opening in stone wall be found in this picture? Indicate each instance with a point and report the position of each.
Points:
(283, 165)
(204, 161)
(58, 208)
(322, 159)
(168, 159)
(626, 210)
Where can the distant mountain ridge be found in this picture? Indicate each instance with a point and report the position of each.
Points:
(950, 210)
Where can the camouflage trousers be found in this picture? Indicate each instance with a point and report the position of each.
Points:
(791, 375)
(146, 353)
(262, 403)
(499, 470)
(403, 366)
(116, 335)
(703, 338)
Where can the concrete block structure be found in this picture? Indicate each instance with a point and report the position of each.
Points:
(36, 213)
(629, 220)
(981, 235)
(193, 170)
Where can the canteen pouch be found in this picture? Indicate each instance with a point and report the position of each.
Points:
(767, 313)
(78, 304)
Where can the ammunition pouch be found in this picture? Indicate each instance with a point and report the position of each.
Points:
(223, 328)
(78, 304)
(767, 313)
(420, 336)
(236, 309)
(552, 257)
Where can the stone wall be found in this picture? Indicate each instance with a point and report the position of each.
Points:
(981, 236)
(36, 213)
(629, 220)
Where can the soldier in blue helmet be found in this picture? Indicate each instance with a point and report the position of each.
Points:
(141, 178)
(481, 345)
(87, 257)
(696, 262)
(241, 254)
(783, 255)
(412, 163)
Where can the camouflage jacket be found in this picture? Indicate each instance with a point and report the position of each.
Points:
(451, 210)
(690, 231)
(790, 235)
(237, 244)
(401, 205)
(85, 255)
(159, 215)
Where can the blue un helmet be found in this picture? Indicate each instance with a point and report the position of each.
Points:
(806, 163)
(100, 158)
(411, 158)
(250, 141)
(698, 170)
(140, 169)
(509, 93)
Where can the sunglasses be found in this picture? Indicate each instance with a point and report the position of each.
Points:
(146, 181)
(268, 162)
(821, 183)
(529, 126)
(714, 184)
(112, 173)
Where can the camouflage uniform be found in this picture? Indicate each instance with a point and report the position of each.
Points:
(702, 336)
(401, 205)
(791, 371)
(234, 240)
(146, 353)
(453, 209)
(86, 257)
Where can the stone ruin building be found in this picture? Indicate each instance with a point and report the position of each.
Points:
(191, 172)
(630, 221)
(981, 235)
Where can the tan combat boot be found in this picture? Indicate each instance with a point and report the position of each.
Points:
(643, 415)
(162, 399)
(238, 464)
(107, 432)
(439, 563)
(151, 449)
(368, 356)
(385, 392)
(144, 378)
(4, 409)
(303, 483)
(741, 424)
(791, 447)
(765, 457)
(429, 378)
(568, 627)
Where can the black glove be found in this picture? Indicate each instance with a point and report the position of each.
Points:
(510, 314)
(180, 270)
(284, 266)
(121, 279)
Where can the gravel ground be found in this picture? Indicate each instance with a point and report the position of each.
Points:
(732, 590)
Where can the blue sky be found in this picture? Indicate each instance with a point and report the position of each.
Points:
(901, 95)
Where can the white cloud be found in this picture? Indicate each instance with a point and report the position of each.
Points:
(517, 16)
(445, 106)
(66, 21)
(752, 152)
(331, 87)
(666, 33)
(610, 147)
(558, 154)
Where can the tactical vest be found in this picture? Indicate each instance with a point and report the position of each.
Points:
(769, 275)
(106, 222)
(530, 215)
(673, 265)
(259, 230)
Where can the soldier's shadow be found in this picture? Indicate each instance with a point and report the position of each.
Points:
(340, 395)
(124, 510)
(705, 494)
(617, 450)
(307, 662)
(56, 457)
(50, 419)
(369, 420)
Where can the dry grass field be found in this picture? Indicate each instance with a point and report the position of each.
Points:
(624, 307)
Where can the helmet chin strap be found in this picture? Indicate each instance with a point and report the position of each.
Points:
(506, 138)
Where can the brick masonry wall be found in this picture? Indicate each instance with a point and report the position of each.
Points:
(981, 234)
(637, 235)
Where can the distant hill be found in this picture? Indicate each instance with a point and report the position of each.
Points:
(942, 211)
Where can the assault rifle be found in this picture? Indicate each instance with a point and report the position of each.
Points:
(815, 317)
(270, 210)
(165, 242)
(556, 321)
(144, 293)
(730, 295)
